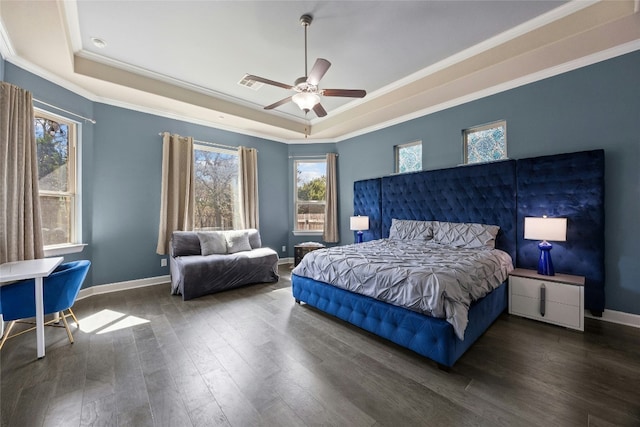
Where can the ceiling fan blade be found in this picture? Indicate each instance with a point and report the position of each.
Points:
(317, 72)
(349, 93)
(267, 81)
(277, 104)
(319, 110)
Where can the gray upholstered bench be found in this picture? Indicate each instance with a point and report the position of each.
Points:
(206, 262)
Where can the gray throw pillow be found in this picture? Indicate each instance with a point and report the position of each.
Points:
(212, 242)
(254, 238)
(466, 235)
(237, 241)
(406, 229)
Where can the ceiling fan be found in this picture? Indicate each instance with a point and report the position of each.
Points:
(308, 94)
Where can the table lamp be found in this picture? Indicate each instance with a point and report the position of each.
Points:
(544, 229)
(359, 223)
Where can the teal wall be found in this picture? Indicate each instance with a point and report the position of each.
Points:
(593, 107)
(121, 168)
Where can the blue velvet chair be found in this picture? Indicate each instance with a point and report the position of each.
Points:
(17, 300)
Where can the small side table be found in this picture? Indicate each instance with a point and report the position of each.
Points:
(301, 250)
(555, 299)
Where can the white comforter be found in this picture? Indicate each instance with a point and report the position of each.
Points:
(423, 276)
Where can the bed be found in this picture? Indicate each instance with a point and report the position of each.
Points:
(481, 194)
(484, 194)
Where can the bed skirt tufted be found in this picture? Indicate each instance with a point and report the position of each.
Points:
(428, 336)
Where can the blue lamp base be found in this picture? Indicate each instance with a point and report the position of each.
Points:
(545, 265)
(359, 237)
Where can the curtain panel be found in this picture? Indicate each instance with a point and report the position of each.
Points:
(177, 193)
(330, 233)
(248, 159)
(20, 220)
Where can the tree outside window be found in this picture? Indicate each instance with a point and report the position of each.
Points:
(311, 185)
(56, 147)
(216, 188)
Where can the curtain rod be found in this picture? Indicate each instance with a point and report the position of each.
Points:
(316, 156)
(231, 147)
(66, 111)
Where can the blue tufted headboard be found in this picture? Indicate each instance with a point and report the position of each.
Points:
(572, 186)
(484, 193)
(367, 201)
(503, 193)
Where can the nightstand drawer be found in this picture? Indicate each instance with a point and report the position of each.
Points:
(556, 292)
(556, 313)
(563, 303)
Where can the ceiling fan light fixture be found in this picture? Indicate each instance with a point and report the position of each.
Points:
(305, 100)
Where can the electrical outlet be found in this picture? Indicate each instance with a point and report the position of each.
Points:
(284, 248)
(163, 262)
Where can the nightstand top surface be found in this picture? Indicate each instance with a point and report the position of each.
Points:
(561, 278)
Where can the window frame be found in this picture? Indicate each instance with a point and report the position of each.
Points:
(492, 125)
(398, 148)
(74, 184)
(296, 231)
(216, 149)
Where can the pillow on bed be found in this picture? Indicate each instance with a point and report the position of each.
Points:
(465, 235)
(237, 241)
(406, 229)
(212, 242)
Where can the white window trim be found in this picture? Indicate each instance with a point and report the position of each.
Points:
(465, 140)
(396, 152)
(77, 245)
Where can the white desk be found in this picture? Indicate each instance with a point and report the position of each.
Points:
(32, 269)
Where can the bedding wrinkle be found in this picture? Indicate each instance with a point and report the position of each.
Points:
(423, 276)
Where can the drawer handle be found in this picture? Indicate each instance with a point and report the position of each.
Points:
(543, 291)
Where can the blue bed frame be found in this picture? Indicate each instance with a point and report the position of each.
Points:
(485, 193)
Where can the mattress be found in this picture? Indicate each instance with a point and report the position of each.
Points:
(426, 277)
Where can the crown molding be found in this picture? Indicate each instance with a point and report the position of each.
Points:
(6, 49)
(531, 78)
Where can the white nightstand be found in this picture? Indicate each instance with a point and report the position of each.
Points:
(555, 299)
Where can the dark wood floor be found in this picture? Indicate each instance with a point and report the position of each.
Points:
(253, 357)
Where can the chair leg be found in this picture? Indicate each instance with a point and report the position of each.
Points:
(6, 333)
(66, 326)
(75, 319)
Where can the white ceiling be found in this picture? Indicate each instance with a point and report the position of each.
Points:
(184, 59)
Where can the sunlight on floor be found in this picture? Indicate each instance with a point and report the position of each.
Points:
(106, 321)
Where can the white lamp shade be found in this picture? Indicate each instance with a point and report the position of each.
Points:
(359, 223)
(554, 229)
(305, 100)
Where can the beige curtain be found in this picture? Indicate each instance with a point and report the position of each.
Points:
(177, 202)
(20, 220)
(330, 233)
(248, 159)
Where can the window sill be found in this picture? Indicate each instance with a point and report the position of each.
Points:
(307, 233)
(57, 250)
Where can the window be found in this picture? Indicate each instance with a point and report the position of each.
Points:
(485, 143)
(56, 142)
(409, 157)
(311, 183)
(216, 188)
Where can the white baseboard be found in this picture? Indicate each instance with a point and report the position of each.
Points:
(288, 260)
(619, 317)
(123, 286)
(612, 316)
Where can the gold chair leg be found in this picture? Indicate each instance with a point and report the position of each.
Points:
(75, 319)
(66, 326)
(7, 333)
